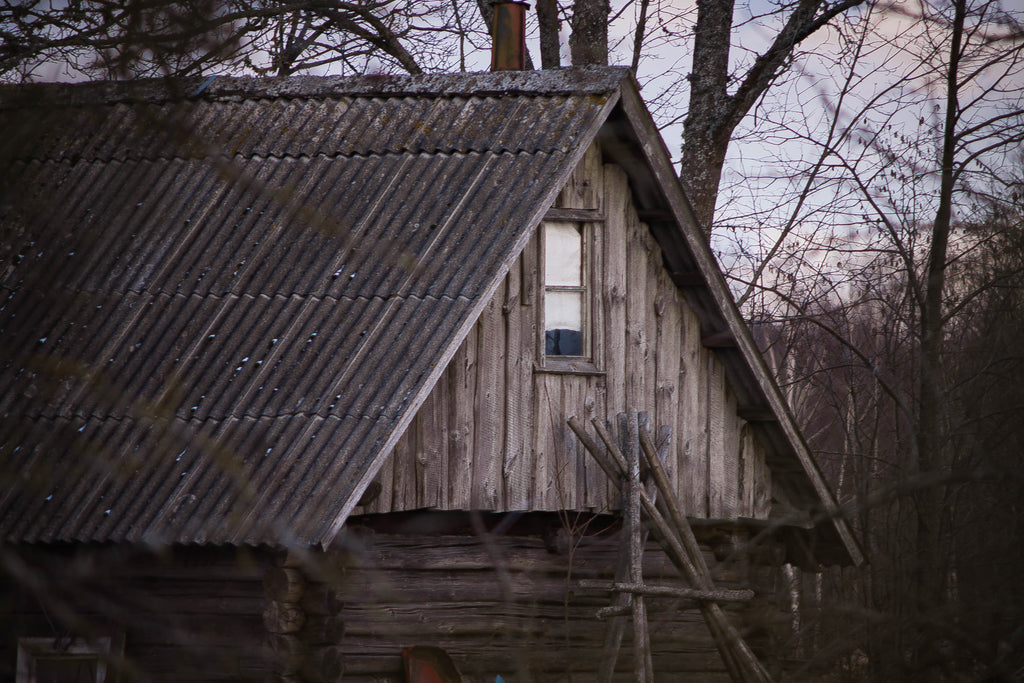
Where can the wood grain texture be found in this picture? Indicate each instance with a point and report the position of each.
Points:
(596, 400)
(583, 189)
(547, 397)
(595, 481)
(715, 388)
(404, 473)
(668, 339)
(493, 435)
(461, 374)
(614, 285)
(432, 450)
(521, 340)
(693, 406)
(637, 340)
(440, 591)
(731, 426)
(488, 402)
(569, 454)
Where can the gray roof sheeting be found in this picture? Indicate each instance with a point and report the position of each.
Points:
(216, 312)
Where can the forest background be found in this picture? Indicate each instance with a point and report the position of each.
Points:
(859, 169)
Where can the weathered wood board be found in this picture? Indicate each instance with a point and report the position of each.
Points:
(534, 622)
(493, 435)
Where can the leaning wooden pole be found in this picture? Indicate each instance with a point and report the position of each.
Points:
(623, 606)
(612, 464)
(749, 664)
(681, 547)
(630, 560)
(692, 566)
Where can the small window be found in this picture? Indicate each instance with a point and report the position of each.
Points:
(564, 290)
(62, 660)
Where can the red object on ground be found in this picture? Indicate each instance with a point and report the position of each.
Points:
(429, 665)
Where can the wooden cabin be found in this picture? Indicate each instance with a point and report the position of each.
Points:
(288, 371)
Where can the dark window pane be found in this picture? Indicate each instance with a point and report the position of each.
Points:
(66, 670)
(563, 342)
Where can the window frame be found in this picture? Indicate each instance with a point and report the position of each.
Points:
(587, 363)
(33, 649)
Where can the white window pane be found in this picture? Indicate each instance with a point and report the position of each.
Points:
(563, 255)
(563, 328)
(563, 310)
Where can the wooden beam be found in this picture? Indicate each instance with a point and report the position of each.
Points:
(719, 340)
(687, 279)
(643, 666)
(737, 656)
(680, 545)
(557, 215)
(756, 414)
(720, 595)
(656, 216)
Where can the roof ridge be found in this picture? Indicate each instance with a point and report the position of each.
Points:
(567, 81)
(236, 156)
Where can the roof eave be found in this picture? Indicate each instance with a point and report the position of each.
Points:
(691, 262)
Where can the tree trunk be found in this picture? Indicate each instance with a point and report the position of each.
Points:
(713, 113)
(588, 43)
(705, 133)
(930, 565)
(547, 21)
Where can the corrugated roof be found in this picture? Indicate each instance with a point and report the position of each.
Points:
(215, 312)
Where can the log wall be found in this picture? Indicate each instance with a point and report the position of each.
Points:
(513, 606)
(509, 601)
(187, 614)
(493, 434)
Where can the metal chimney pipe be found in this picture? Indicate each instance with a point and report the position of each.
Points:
(508, 35)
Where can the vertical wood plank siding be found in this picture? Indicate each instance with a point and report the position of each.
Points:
(493, 433)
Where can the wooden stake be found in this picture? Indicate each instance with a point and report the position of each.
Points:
(749, 667)
(642, 665)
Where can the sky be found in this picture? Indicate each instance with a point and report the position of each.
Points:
(777, 143)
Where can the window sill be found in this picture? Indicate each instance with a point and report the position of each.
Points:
(567, 366)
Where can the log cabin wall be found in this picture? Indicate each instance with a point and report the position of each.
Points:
(492, 435)
(514, 605)
(175, 614)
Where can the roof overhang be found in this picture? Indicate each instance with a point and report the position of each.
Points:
(631, 139)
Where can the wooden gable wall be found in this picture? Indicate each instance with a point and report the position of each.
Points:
(493, 436)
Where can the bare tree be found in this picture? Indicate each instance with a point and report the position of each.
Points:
(900, 245)
(714, 108)
(94, 38)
